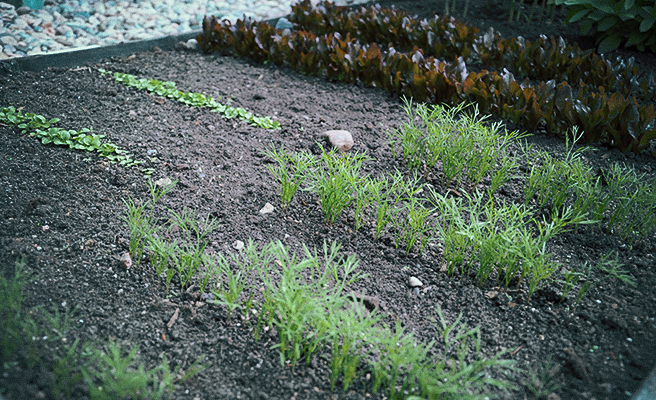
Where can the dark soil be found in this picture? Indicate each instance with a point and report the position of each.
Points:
(221, 174)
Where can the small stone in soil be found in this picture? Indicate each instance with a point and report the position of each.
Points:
(268, 208)
(238, 245)
(163, 182)
(414, 282)
(342, 140)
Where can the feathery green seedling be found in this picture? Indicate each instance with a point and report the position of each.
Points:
(450, 228)
(558, 183)
(336, 182)
(542, 380)
(211, 272)
(610, 267)
(489, 147)
(66, 372)
(298, 296)
(399, 360)
(160, 252)
(112, 374)
(188, 255)
(299, 306)
(140, 223)
(495, 238)
(461, 378)
(235, 283)
(11, 311)
(290, 171)
(410, 137)
(415, 224)
(410, 226)
(386, 193)
(350, 330)
(465, 146)
(569, 281)
(628, 203)
(140, 228)
(365, 191)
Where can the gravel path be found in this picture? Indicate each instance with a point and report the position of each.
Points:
(65, 25)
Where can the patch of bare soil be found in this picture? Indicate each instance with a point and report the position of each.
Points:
(604, 346)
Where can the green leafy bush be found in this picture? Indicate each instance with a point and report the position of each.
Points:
(615, 21)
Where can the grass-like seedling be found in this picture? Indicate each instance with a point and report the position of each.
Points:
(415, 225)
(628, 203)
(386, 194)
(336, 181)
(495, 238)
(140, 219)
(610, 267)
(466, 147)
(11, 310)
(38, 126)
(290, 172)
(350, 330)
(66, 373)
(228, 294)
(297, 306)
(557, 183)
(167, 89)
(399, 362)
(365, 191)
(304, 299)
(620, 199)
(113, 374)
(542, 379)
(405, 370)
(26, 336)
(188, 252)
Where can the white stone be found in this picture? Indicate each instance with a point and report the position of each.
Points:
(268, 208)
(238, 245)
(8, 40)
(192, 44)
(63, 40)
(414, 282)
(342, 140)
(162, 182)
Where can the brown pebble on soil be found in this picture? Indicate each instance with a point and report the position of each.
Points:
(342, 140)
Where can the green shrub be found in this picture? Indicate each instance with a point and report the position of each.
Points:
(614, 21)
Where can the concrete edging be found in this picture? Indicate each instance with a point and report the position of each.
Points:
(84, 56)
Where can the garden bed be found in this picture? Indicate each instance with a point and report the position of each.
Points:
(63, 210)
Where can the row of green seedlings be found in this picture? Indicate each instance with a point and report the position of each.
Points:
(305, 300)
(492, 239)
(41, 128)
(167, 89)
(338, 183)
(39, 340)
(464, 151)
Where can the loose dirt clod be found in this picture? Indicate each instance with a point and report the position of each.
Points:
(342, 140)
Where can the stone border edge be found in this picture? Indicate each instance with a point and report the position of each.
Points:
(86, 56)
